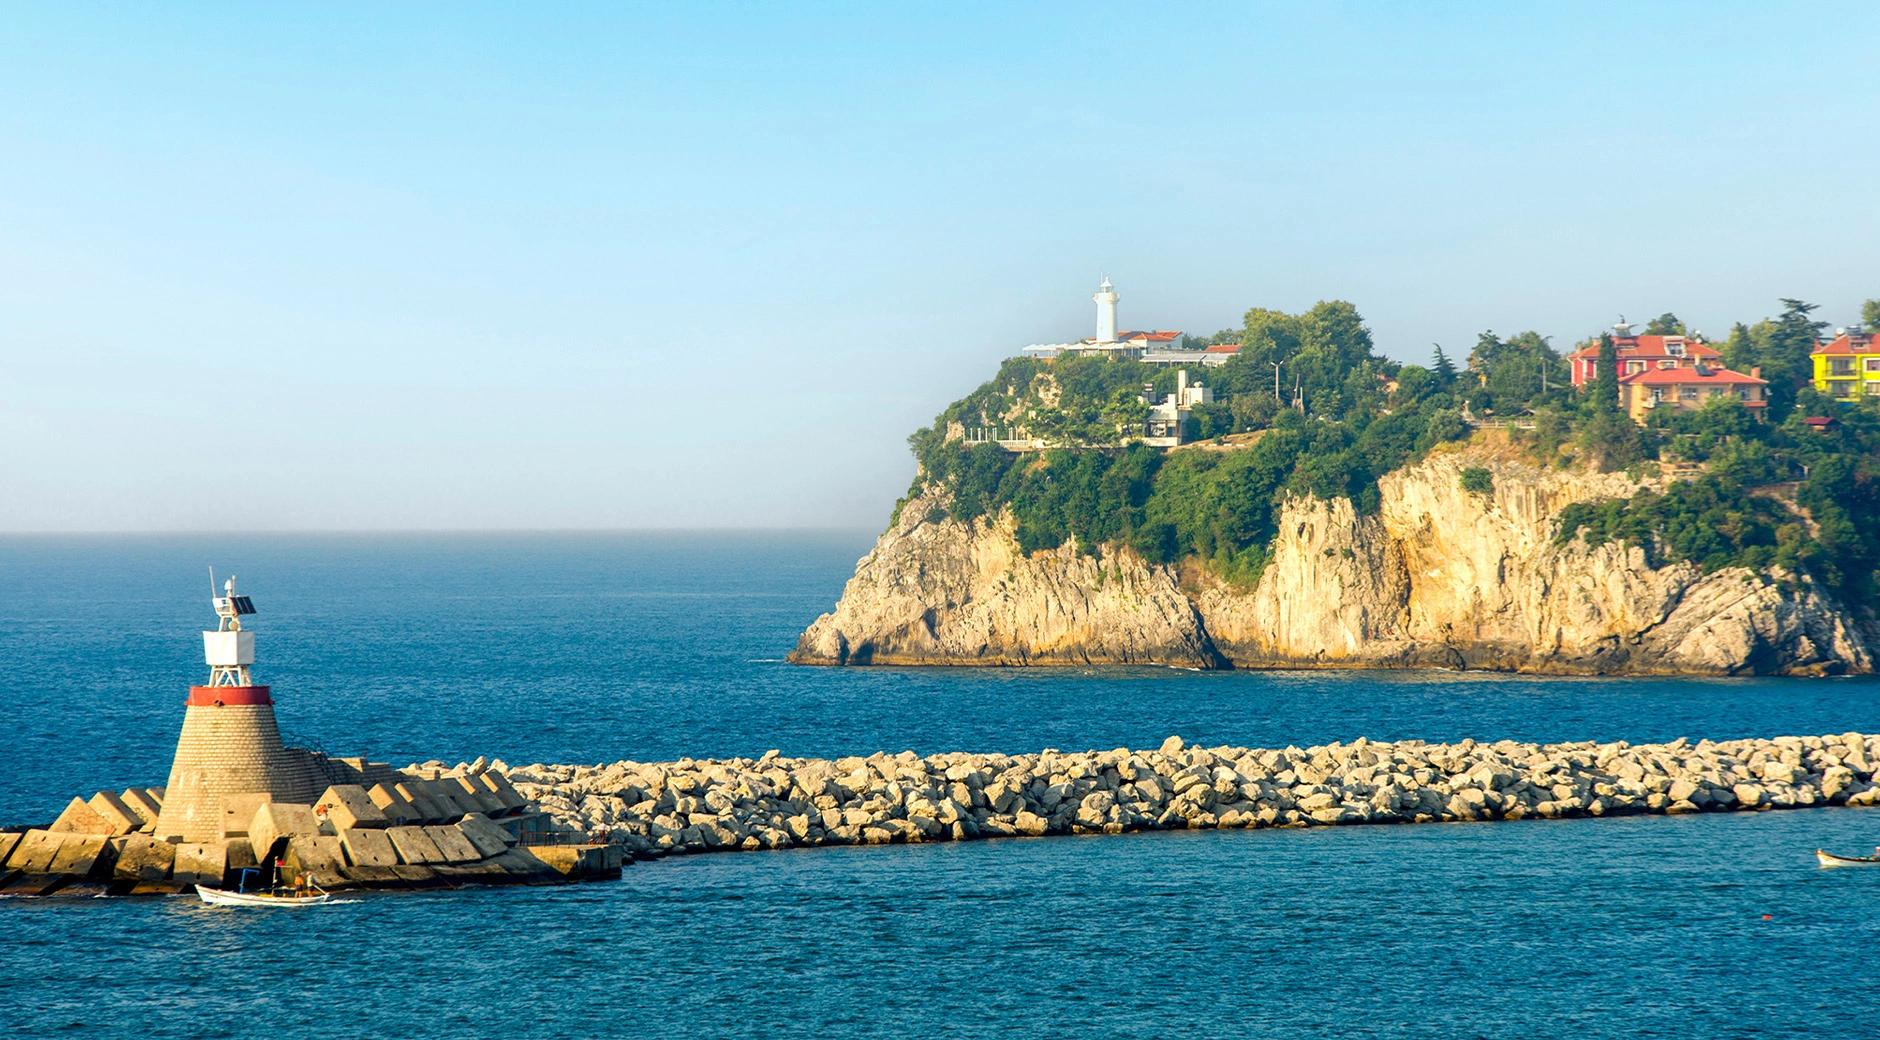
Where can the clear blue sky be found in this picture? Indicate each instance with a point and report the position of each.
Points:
(703, 265)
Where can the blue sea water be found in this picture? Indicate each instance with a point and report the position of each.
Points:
(594, 647)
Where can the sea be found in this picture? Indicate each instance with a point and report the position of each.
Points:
(595, 647)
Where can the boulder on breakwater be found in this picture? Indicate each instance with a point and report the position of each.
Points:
(773, 802)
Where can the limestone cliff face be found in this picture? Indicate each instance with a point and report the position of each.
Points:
(1439, 576)
(938, 591)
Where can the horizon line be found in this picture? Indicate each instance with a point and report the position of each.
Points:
(166, 532)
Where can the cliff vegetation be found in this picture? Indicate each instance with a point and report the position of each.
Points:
(1776, 494)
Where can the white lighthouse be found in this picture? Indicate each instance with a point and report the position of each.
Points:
(1106, 312)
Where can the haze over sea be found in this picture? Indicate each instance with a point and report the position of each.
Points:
(594, 647)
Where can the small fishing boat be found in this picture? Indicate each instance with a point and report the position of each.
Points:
(1829, 859)
(309, 895)
(223, 897)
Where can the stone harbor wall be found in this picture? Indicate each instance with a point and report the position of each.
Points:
(704, 805)
(488, 823)
(420, 827)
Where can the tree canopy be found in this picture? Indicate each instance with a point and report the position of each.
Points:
(1771, 494)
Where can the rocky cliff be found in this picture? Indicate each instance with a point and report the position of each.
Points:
(1437, 576)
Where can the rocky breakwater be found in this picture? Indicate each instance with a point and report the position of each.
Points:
(371, 828)
(773, 802)
(1437, 575)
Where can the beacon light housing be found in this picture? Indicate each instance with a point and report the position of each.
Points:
(229, 649)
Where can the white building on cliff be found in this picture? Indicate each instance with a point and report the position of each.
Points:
(1108, 342)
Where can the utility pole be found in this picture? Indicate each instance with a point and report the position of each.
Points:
(1275, 365)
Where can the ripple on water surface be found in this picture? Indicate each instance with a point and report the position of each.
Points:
(1645, 926)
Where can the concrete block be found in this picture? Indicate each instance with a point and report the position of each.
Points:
(471, 788)
(413, 874)
(201, 863)
(489, 839)
(444, 795)
(505, 792)
(144, 858)
(317, 856)
(78, 854)
(451, 842)
(372, 877)
(112, 810)
(240, 854)
(34, 851)
(348, 807)
(522, 863)
(140, 802)
(8, 839)
(397, 811)
(155, 794)
(580, 861)
(427, 810)
(365, 847)
(238, 812)
(78, 818)
(38, 884)
(275, 821)
(414, 846)
(480, 871)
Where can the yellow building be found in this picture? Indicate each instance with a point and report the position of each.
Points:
(1847, 368)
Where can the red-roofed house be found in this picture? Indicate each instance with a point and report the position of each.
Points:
(1847, 367)
(1688, 388)
(1159, 340)
(1640, 354)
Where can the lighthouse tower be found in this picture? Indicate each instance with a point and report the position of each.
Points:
(230, 743)
(1106, 312)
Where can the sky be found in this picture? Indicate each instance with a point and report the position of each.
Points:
(453, 266)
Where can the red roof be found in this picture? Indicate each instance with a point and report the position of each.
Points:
(1223, 348)
(1674, 376)
(1651, 347)
(1846, 343)
(1819, 421)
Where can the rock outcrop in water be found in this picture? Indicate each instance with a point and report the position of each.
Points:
(1437, 576)
(701, 805)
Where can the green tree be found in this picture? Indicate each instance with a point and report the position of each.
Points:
(1870, 316)
(1785, 358)
(1444, 368)
(1477, 481)
(1739, 351)
(1606, 376)
(1666, 324)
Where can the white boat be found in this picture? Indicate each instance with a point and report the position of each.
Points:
(223, 897)
(311, 895)
(1829, 859)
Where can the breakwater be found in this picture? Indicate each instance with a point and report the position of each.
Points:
(774, 802)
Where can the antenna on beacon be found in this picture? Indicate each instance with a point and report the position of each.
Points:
(230, 650)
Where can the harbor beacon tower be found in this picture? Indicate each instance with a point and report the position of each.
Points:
(230, 743)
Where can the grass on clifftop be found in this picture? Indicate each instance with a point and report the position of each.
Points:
(1364, 416)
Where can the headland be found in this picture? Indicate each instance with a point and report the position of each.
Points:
(1284, 496)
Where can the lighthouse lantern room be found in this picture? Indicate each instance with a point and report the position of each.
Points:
(229, 650)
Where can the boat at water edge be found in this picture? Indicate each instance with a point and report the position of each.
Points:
(223, 897)
(1829, 859)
